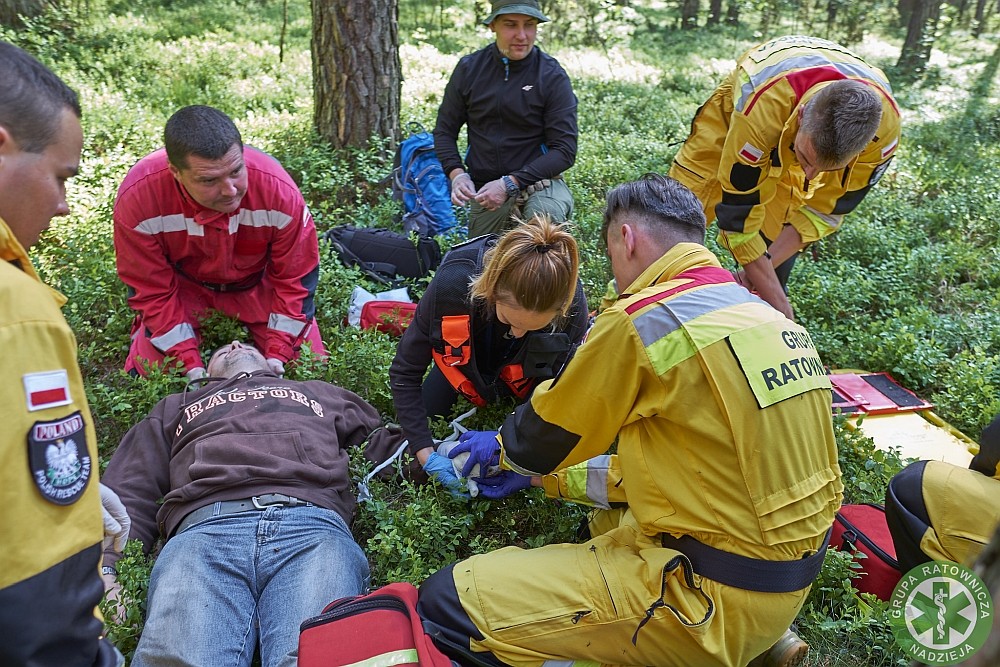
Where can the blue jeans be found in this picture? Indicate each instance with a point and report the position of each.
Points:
(228, 581)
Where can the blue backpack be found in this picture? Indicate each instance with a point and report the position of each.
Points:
(421, 184)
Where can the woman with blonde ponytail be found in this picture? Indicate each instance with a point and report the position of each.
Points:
(500, 314)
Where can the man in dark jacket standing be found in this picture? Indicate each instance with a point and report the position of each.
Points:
(519, 110)
(256, 509)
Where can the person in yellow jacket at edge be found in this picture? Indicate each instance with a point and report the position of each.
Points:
(940, 511)
(785, 147)
(726, 473)
(50, 500)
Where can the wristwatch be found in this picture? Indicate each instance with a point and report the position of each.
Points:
(108, 569)
(511, 187)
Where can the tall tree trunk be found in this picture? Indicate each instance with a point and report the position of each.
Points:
(356, 70)
(11, 10)
(919, 39)
(905, 9)
(832, 7)
(689, 14)
(977, 27)
(714, 12)
(769, 15)
(733, 12)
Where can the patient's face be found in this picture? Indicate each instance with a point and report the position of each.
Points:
(235, 358)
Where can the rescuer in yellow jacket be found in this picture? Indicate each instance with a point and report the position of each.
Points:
(726, 465)
(940, 511)
(788, 144)
(50, 504)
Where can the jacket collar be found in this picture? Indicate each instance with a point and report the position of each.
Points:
(680, 258)
(13, 252)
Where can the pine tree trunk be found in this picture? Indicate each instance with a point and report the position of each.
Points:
(733, 12)
(356, 70)
(714, 12)
(689, 14)
(977, 27)
(919, 39)
(11, 9)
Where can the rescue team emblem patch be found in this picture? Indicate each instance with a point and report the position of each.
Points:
(941, 613)
(751, 153)
(59, 458)
(46, 390)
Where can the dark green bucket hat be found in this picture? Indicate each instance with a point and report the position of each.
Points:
(526, 7)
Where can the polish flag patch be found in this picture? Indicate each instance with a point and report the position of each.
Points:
(887, 151)
(751, 153)
(46, 390)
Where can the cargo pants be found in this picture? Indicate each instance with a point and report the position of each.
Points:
(617, 599)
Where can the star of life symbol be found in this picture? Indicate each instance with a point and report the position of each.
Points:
(941, 613)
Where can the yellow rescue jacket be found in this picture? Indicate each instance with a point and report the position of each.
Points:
(50, 515)
(743, 138)
(720, 407)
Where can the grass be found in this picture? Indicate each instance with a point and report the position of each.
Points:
(910, 286)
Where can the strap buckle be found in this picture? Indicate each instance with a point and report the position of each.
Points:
(273, 500)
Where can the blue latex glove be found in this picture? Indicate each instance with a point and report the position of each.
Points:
(483, 450)
(441, 468)
(502, 484)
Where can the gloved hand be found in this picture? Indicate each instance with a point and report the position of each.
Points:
(116, 521)
(483, 449)
(196, 373)
(276, 366)
(440, 468)
(502, 484)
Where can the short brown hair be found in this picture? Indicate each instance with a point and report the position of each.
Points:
(536, 264)
(841, 120)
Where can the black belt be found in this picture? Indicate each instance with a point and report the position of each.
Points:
(751, 574)
(238, 286)
(258, 503)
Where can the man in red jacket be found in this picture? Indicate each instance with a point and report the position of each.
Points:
(208, 224)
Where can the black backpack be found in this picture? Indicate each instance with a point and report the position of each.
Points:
(382, 254)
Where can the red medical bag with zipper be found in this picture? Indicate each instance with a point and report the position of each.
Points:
(863, 528)
(381, 627)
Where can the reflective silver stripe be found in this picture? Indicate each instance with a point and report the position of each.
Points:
(285, 324)
(405, 656)
(178, 334)
(830, 220)
(853, 70)
(177, 222)
(597, 480)
(247, 218)
(671, 314)
(170, 223)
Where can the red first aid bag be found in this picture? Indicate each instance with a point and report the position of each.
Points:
(380, 628)
(391, 317)
(862, 528)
